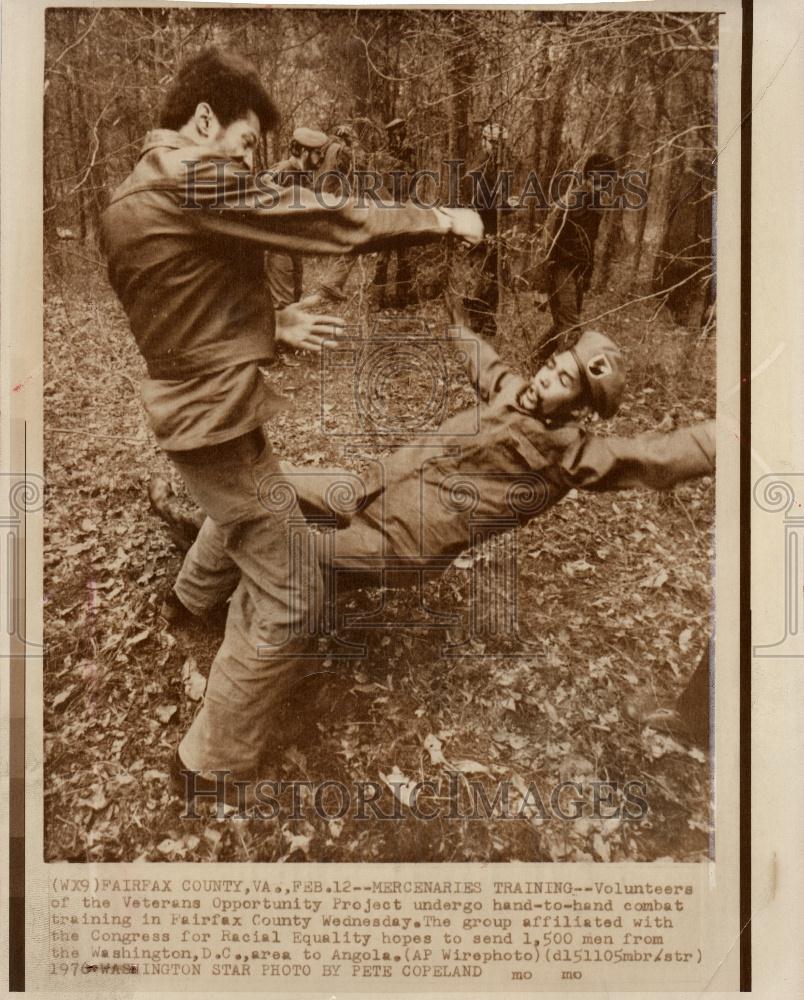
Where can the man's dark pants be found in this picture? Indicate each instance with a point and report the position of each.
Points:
(566, 300)
(403, 291)
(482, 306)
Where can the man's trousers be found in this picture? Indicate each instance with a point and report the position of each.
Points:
(285, 277)
(482, 306)
(253, 544)
(401, 292)
(334, 281)
(566, 301)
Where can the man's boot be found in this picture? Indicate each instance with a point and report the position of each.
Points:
(182, 526)
(174, 612)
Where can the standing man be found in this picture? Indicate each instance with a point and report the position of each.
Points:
(343, 156)
(489, 202)
(400, 165)
(286, 271)
(306, 155)
(572, 252)
(185, 237)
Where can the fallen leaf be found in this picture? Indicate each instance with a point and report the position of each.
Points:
(297, 842)
(514, 740)
(574, 766)
(96, 801)
(655, 580)
(470, 767)
(580, 567)
(549, 711)
(63, 695)
(194, 682)
(74, 550)
(402, 787)
(433, 746)
(660, 744)
(601, 847)
(166, 712)
(212, 836)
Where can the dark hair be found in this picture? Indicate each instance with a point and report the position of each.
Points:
(598, 161)
(228, 83)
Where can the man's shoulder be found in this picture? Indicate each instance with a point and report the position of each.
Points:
(174, 168)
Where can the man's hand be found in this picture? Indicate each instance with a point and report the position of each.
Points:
(306, 331)
(465, 223)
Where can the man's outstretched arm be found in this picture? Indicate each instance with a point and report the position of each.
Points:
(235, 205)
(652, 460)
(486, 369)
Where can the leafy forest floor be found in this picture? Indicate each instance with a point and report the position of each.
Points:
(614, 598)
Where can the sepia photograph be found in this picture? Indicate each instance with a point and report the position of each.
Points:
(379, 387)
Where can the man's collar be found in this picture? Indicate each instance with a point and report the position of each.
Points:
(164, 138)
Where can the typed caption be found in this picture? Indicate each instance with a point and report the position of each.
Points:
(483, 930)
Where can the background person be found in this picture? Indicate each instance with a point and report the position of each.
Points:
(343, 155)
(571, 255)
(399, 159)
(286, 271)
(489, 202)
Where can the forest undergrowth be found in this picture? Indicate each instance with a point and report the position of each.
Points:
(614, 597)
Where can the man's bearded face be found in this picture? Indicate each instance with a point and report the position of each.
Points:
(554, 387)
(238, 140)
